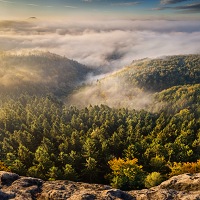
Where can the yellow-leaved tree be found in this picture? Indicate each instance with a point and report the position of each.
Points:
(126, 174)
(187, 167)
(3, 167)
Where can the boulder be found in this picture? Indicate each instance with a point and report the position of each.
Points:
(7, 178)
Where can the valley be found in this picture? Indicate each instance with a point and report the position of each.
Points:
(143, 118)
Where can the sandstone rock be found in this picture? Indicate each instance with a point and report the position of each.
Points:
(117, 194)
(184, 182)
(182, 187)
(7, 178)
(5, 196)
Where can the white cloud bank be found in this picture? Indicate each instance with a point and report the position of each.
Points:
(104, 44)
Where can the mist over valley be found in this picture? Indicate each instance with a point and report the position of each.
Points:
(104, 45)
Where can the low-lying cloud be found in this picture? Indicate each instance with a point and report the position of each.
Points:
(104, 45)
(112, 91)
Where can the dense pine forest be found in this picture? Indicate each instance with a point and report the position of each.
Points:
(129, 147)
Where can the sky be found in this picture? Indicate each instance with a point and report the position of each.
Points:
(103, 34)
(128, 9)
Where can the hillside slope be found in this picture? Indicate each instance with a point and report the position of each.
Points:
(163, 73)
(177, 98)
(135, 86)
(39, 73)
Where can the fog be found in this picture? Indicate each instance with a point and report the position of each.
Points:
(112, 91)
(106, 45)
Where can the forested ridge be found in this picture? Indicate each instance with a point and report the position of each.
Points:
(44, 137)
(136, 85)
(39, 73)
(163, 73)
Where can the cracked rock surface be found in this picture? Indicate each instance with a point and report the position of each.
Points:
(13, 186)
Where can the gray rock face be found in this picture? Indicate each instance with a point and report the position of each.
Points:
(182, 187)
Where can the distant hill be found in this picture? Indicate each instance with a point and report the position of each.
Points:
(39, 73)
(138, 85)
(159, 74)
(32, 18)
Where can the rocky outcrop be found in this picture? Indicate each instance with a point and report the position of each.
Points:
(13, 186)
(181, 187)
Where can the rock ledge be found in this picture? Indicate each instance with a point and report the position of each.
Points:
(13, 186)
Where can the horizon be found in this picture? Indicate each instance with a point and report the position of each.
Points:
(100, 9)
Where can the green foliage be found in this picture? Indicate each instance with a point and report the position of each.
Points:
(54, 173)
(70, 173)
(41, 136)
(18, 167)
(158, 163)
(153, 179)
(90, 171)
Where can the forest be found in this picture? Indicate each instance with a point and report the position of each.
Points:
(43, 136)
